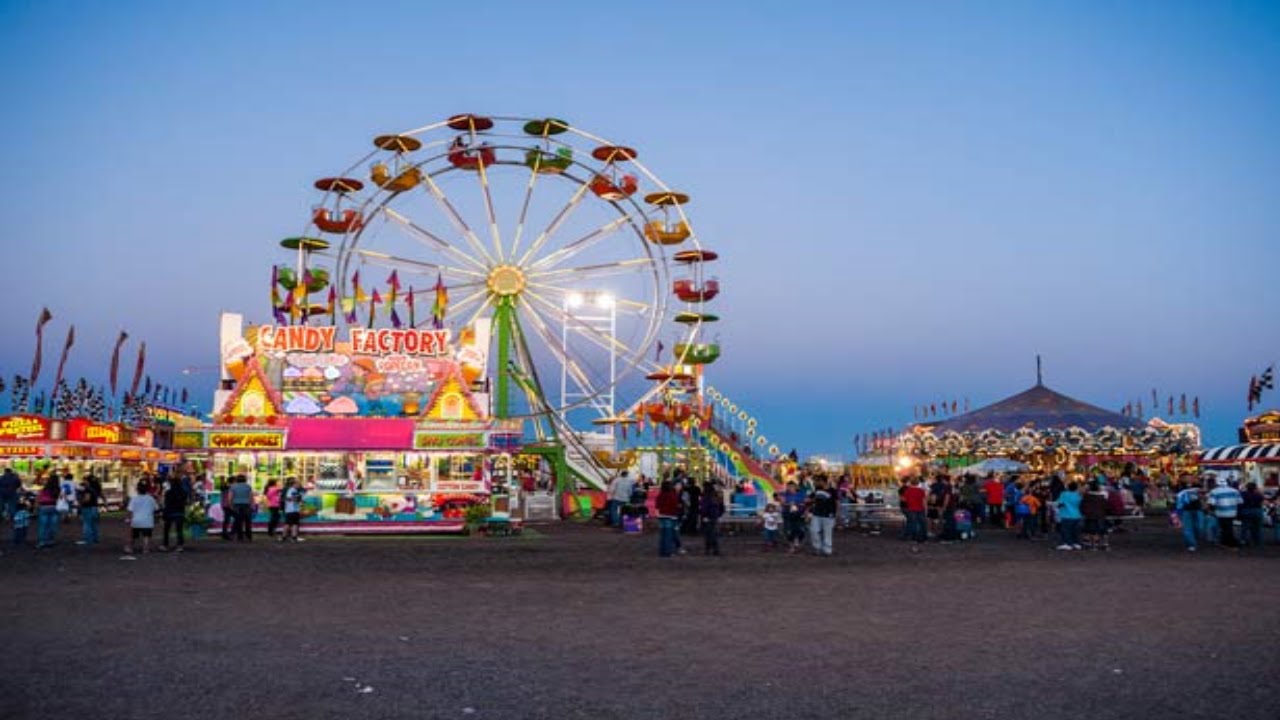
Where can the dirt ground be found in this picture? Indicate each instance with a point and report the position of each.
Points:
(572, 622)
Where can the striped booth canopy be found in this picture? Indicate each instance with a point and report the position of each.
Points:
(1236, 454)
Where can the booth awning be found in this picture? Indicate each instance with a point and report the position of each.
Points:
(1232, 454)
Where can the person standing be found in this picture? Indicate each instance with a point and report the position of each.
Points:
(242, 508)
(292, 502)
(66, 497)
(1029, 511)
(21, 518)
(994, 493)
(1188, 506)
(771, 519)
(914, 502)
(142, 520)
(693, 508)
(47, 512)
(175, 512)
(1251, 510)
(1093, 506)
(710, 511)
(793, 502)
(10, 486)
(667, 506)
(1012, 495)
(90, 500)
(272, 495)
(226, 508)
(822, 518)
(1138, 486)
(1069, 517)
(1225, 501)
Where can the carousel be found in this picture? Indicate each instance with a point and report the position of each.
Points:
(1050, 431)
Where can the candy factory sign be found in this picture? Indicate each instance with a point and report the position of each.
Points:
(303, 339)
(447, 441)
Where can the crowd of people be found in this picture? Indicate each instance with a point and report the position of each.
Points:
(58, 498)
(1081, 512)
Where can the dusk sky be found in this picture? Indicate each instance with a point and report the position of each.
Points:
(911, 200)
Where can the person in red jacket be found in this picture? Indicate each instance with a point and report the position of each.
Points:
(913, 505)
(994, 493)
(668, 507)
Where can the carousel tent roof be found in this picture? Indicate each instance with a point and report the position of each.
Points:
(1039, 409)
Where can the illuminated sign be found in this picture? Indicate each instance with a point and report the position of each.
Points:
(383, 341)
(85, 431)
(246, 440)
(24, 427)
(21, 450)
(447, 441)
(171, 417)
(188, 440)
(460, 486)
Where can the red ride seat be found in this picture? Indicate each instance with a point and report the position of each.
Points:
(608, 190)
(468, 159)
(340, 222)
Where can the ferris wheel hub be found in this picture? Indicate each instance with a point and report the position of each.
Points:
(506, 280)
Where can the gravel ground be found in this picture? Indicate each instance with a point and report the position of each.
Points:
(572, 622)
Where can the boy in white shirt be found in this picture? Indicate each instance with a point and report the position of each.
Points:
(772, 520)
(142, 520)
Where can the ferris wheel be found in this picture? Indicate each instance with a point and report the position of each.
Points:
(510, 231)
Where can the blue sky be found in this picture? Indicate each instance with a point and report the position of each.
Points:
(911, 199)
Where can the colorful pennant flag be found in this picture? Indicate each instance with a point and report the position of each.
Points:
(45, 317)
(441, 305)
(115, 361)
(62, 362)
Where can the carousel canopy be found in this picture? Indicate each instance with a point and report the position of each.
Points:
(1039, 409)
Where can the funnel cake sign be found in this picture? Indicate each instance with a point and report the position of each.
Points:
(303, 339)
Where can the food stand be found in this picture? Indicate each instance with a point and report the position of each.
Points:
(383, 430)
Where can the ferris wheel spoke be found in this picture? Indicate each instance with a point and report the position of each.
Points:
(374, 257)
(543, 329)
(431, 238)
(606, 343)
(555, 224)
(488, 300)
(456, 218)
(524, 210)
(628, 305)
(586, 241)
(494, 235)
(594, 271)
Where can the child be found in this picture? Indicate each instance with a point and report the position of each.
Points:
(142, 519)
(772, 519)
(1029, 511)
(21, 519)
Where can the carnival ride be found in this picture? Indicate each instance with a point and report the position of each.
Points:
(505, 225)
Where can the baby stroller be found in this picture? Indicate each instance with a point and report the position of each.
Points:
(964, 525)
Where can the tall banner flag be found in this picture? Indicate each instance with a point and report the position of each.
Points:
(1182, 404)
(441, 304)
(137, 369)
(275, 286)
(1195, 406)
(393, 282)
(332, 305)
(115, 360)
(1253, 391)
(374, 300)
(45, 317)
(66, 350)
(408, 300)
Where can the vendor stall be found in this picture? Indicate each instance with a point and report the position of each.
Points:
(116, 454)
(393, 442)
(1256, 458)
